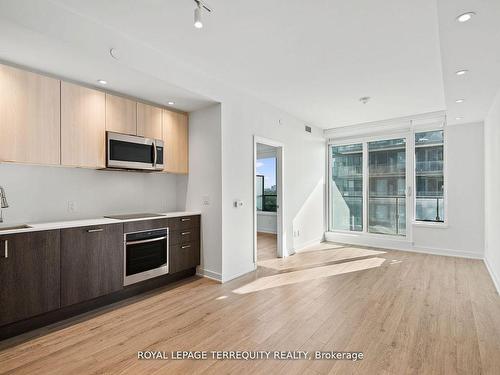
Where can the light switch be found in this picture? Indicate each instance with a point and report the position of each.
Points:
(206, 200)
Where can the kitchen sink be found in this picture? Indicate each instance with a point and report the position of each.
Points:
(22, 226)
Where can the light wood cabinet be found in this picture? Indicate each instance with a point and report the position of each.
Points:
(149, 122)
(121, 115)
(175, 138)
(29, 117)
(47, 121)
(83, 131)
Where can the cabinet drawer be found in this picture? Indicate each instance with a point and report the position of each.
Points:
(137, 226)
(184, 236)
(183, 257)
(184, 222)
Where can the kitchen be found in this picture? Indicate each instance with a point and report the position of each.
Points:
(110, 164)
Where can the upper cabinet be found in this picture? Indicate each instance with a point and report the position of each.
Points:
(175, 138)
(83, 129)
(47, 121)
(121, 115)
(29, 117)
(149, 122)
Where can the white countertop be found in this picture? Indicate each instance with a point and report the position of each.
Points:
(35, 227)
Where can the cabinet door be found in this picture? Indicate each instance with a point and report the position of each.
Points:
(91, 262)
(149, 122)
(83, 136)
(29, 275)
(121, 115)
(184, 256)
(175, 137)
(29, 117)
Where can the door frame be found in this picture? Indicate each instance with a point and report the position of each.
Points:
(280, 222)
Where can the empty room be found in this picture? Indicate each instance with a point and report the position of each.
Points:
(249, 187)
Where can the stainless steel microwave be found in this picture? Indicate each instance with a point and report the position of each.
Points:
(125, 151)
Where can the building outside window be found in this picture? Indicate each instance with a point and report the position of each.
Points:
(387, 186)
(429, 176)
(346, 187)
(266, 185)
(388, 166)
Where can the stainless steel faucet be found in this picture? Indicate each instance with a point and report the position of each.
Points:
(3, 202)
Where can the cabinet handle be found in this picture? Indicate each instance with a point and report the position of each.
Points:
(95, 230)
(185, 246)
(146, 241)
(185, 233)
(186, 219)
(6, 249)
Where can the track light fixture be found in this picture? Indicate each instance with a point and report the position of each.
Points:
(200, 6)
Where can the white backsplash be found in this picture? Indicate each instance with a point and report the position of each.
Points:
(42, 193)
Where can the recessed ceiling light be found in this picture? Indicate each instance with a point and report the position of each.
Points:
(171, 103)
(458, 118)
(102, 81)
(461, 72)
(459, 100)
(465, 17)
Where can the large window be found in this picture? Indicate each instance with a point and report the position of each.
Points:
(429, 176)
(346, 187)
(266, 185)
(387, 188)
(370, 182)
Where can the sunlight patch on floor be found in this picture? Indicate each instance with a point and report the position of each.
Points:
(309, 274)
(315, 258)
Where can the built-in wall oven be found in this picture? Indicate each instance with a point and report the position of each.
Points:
(145, 255)
(125, 151)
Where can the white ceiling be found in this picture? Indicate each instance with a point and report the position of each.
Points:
(314, 59)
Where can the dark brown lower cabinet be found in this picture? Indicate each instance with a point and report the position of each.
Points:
(184, 256)
(91, 262)
(29, 275)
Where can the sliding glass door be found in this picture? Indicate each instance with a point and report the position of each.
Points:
(387, 187)
(367, 187)
(346, 187)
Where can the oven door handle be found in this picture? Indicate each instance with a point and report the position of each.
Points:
(146, 241)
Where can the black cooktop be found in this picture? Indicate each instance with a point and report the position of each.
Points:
(132, 216)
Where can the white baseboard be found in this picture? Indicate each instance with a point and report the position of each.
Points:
(493, 275)
(445, 252)
(251, 267)
(209, 274)
(265, 231)
(397, 244)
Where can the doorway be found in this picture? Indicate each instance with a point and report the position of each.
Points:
(268, 198)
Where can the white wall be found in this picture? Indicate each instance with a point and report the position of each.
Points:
(465, 188)
(304, 169)
(492, 189)
(41, 193)
(464, 233)
(205, 181)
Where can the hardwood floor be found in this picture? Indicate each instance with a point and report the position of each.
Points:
(266, 246)
(408, 313)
